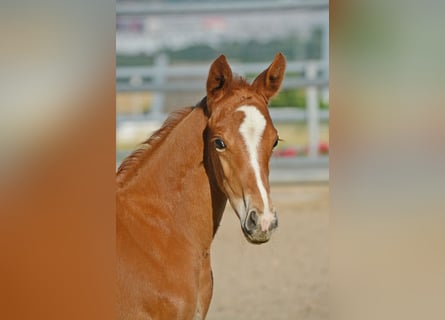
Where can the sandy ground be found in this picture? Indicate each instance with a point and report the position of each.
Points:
(286, 278)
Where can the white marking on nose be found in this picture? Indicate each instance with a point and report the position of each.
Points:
(252, 129)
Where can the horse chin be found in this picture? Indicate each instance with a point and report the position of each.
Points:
(257, 237)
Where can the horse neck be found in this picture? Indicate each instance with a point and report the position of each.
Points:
(176, 177)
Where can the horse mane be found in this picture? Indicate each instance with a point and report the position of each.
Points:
(130, 164)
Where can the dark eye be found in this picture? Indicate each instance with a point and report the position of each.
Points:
(276, 142)
(219, 144)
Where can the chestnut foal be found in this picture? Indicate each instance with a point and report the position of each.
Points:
(172, 191)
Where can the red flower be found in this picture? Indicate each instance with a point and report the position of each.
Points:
(323, 148)
(286, 153)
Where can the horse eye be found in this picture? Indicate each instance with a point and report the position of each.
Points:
(220, 145)
(276, 142)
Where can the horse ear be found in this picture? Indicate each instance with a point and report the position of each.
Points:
(269, 81)
(219, 79)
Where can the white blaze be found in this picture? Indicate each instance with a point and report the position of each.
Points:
(252, 129)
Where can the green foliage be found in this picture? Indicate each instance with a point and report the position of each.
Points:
(290, 98)
(134, 60)
(194, 53)
(255, 51)
(323, 105)
(292, 46)
(294, 98)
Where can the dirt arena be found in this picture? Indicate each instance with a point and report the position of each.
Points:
(286, 278)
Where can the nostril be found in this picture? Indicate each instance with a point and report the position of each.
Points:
(251, 221)
(274, 224)
(252, 216)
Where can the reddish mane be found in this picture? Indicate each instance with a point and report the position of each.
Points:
(133, 162)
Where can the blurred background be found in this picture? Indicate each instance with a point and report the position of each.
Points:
(164, 50)
(386, 154)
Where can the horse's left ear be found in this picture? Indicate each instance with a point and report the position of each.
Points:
(269, 81)
(219, 79)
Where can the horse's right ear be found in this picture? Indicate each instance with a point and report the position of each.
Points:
(219, 79)
(269, 81)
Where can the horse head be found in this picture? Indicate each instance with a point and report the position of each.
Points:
(240, 141)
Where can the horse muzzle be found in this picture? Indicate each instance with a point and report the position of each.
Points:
(258, 227)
